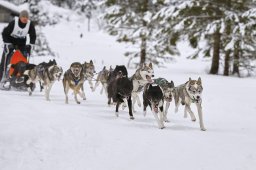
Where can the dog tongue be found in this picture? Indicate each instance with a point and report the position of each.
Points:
(155, 109)
(149, 79)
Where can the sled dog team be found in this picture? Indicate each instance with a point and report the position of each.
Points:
(121, 90)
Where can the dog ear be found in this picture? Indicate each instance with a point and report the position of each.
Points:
(189, 79)
(199, 81)
(91, 62)
(104, 68)
(151, 65)
(172, 84)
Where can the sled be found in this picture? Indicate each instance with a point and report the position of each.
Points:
(16, 83)
(15, 58)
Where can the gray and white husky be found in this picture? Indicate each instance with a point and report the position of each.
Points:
(48, 77)
(89, 71)
(141, 77)
(102, 78)
(167, 88)
(189, 93)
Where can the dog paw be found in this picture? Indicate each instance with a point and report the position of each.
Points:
(161, 127)
(131, 117)
(116, 113)
(144, 113)
(203, 129)
(78, 102)
(193, 120)
(176, 110)
(123, 107)
(84, 98)
(166, 120)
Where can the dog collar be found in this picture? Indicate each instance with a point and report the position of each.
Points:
(76, 81)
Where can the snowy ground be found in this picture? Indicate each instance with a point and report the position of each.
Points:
(40, 135)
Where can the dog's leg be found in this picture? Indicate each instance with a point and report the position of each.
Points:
(47, 91)
(167, 105)
(138, 100)
(104, 85)
(30, 89)
(177, 104)
(124, 104)
(66, 89)
(160, 125)
(192, 115)
(96, 85)
(200, 115)
(117, 107)
(185, 111)
(134, 99)
(145, 104)
(130, 107)
(82, 94)
(76, 91)
(161, 116)
(41, 85)
(90, 82)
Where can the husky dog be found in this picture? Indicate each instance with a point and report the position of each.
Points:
(154, 97)
(102, 78)
(119, 71)
(74, 79)
(141, 77)
(189, 93)
(167, 88)
(120, 89)
(48, 77)
(89, 71)
(20, 67)
(42, 67)
(30, 78)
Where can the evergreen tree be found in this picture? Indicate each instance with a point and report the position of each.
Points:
(219, 22)
(132, 22)
(42, 47)
(86, 7)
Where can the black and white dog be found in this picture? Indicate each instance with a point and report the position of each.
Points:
(46, 74)
(167, 88)
(41, 69)
(154, 97)
(120, 88)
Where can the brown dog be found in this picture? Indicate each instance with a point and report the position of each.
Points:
(74, 79)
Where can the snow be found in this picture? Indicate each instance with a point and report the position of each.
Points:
(52, 135)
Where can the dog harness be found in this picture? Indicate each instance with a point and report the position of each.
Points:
(20, 32)
(160, 81)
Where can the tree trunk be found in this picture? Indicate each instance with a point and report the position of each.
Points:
(216, 53)
(236, 59)
(143, 50)
(226, 66)
(143, 47)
